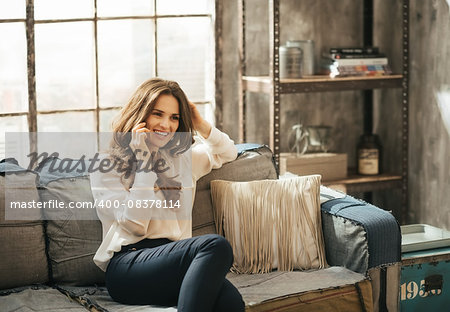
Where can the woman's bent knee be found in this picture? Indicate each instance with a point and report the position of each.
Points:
(220, 247)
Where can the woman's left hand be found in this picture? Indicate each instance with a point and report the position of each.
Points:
(200, 124)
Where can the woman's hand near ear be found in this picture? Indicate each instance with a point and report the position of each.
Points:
(139, 141)
(200, 125)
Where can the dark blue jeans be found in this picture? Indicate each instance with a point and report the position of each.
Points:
(189, 274)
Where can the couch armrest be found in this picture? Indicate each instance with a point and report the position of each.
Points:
(358, 235)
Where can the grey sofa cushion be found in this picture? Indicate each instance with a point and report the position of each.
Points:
(98, 299)
(38, 299)
(74, 235)
(23, 259)
(255, 163)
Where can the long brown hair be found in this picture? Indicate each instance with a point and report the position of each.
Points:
(138, 108)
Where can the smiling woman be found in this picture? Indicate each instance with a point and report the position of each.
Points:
(149, 255)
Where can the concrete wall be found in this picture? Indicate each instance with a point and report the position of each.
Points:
(328, 25)
(429, 153)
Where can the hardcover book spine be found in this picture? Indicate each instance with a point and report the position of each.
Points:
(360, 70)
(362, 61)
(355, 50)
(336, 56)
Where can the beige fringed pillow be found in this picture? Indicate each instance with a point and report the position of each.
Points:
(271, 223)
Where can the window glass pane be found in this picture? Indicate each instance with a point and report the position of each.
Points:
(65, 66)
(165, 7)
(72, 123)
(13, 68)
(12, 9)
(124, 8)
(125, 58)
(106, 119)
(67, 122)
(11, 124)
(207, 112)
(185, 54)
(63, 9)
(67, 144)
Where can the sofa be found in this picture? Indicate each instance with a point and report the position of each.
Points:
(46, 262)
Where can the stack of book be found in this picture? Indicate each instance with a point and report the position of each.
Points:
(354, 61)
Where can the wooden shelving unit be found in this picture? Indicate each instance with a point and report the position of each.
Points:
(275, 87)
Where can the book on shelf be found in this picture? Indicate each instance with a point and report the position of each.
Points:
(337, 56)
(360, 70)
(360, 61)
(334, 70)
(355, 50)
(354, 61)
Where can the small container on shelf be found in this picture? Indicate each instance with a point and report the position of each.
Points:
(290, 62)
(307, 47)
(368, 154)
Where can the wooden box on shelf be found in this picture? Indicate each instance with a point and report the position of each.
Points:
(331, 166)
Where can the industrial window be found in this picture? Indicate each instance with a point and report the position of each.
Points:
(68, 65)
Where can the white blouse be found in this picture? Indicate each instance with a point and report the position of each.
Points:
(125, 215)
